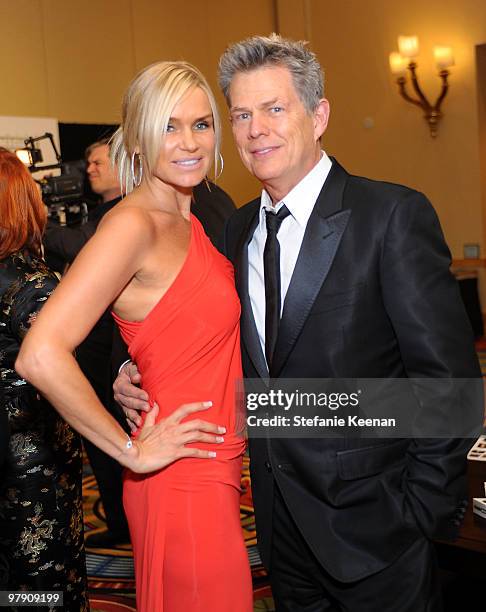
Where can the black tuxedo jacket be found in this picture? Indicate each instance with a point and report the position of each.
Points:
(371, 297)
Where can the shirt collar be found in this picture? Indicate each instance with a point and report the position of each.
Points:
(301, 199)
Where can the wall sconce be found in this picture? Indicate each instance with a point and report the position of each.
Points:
(405, 58)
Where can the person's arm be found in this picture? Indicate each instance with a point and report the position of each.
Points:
(29, 295)
(101, 271)
(435, 339)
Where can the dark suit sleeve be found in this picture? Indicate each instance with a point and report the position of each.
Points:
(435, 338)
(212, 206)
(221, 243)
(119, 352)
(66, 242)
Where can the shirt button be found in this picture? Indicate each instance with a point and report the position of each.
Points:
(268, 466)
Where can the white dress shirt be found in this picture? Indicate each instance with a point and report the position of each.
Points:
(300, 202)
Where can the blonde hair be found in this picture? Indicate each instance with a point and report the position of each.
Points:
(146, 110)
(95, 145)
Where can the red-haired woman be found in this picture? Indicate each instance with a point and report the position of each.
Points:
(41, 521)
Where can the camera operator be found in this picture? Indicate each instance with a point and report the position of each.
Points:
(66, 242)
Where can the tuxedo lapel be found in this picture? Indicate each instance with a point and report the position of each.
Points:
(249, 333)
(323, 234)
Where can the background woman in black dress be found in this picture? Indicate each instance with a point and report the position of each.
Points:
(41, 520)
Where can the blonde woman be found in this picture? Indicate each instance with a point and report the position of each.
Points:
(173, 297)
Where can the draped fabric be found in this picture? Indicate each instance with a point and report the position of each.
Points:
(184, 520)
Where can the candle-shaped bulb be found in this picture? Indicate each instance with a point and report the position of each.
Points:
(408, 46)
(398, 64)
(443, 57)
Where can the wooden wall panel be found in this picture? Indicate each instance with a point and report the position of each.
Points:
(90, 58)
(24, 87)
(292, 18)
(227, 24)
(166, 30)
(398, 146)
(199, 31)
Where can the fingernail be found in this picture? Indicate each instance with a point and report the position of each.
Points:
(219, 439)
(207, 404)
(212, 454)
(221, 429)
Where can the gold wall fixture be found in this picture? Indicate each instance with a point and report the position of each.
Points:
(404, 59)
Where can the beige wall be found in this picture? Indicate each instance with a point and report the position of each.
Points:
(352, 39)
(72, 59)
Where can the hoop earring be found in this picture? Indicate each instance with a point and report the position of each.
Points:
(221, 163)
(137, 179)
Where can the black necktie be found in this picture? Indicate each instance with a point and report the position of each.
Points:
(271, 269)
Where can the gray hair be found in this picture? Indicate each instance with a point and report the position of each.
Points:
(261, 51)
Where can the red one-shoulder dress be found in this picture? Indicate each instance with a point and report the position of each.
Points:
(184, 520)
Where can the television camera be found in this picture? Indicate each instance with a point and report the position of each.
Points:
(64, 195)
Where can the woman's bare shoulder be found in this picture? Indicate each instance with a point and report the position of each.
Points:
(127, 220)
(140, 216)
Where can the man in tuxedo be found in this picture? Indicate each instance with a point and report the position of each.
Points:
(356, 285)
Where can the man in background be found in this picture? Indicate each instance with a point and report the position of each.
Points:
(66, 242)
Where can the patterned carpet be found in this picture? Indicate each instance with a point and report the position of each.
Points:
(110, 571)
